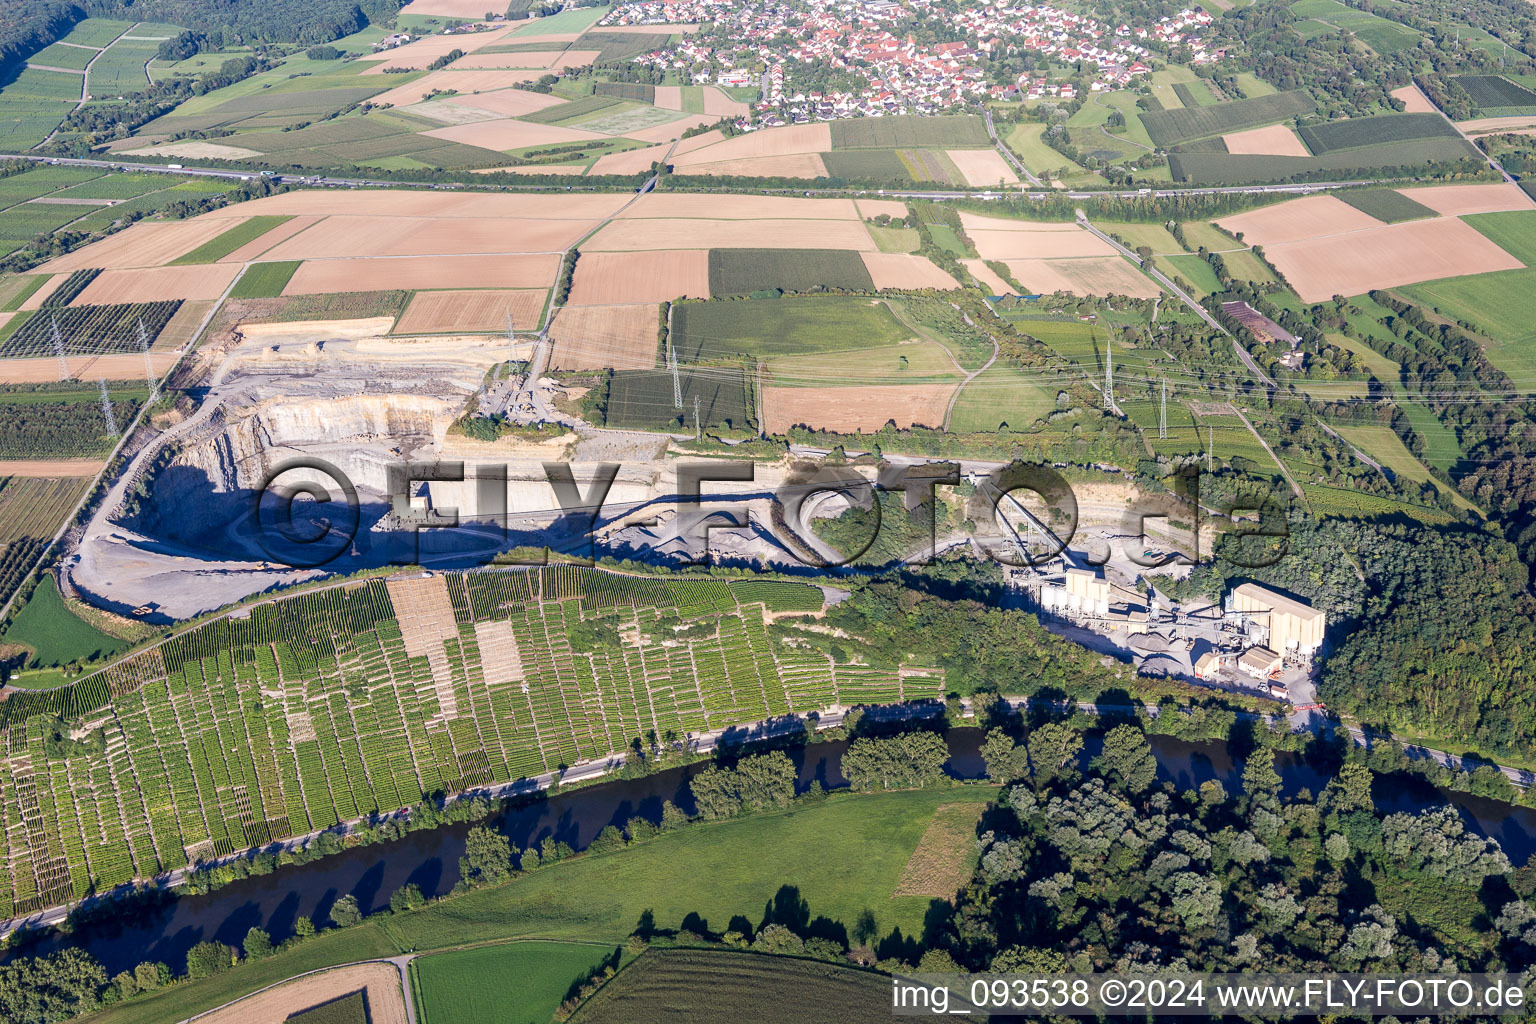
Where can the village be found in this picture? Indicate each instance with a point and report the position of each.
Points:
(901, 75)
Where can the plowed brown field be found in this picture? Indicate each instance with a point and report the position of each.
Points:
(1309, 217)
(1276, 140)
(855, 409)
(468, 312)
(407, 272)
(632, 235)
(792, 165)
(158, 284)
(610, 277)
(898, 270)
(605, 337)
(146, 245)
(983, 167)
(794, 138)
(1458, 200)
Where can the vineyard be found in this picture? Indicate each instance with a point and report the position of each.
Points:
(91, 330)
(325, 707)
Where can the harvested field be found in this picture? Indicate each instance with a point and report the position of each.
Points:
(612, 277)
(668, 97)
(386, 1003)
(605, 337)
(417, 55)
(1297, 219)
(193, 151)
(347, 236)
(1276, 140)
(631, 161)
(668, 131)
(521, 59)
(875, 207)
(315, 277)
(1415, 101)
(1483, 125)
(472, 10)
(1460, 200)
(699, 141)
(506, 102)
(983, 167)
(997, 239)
(632, 235)
(443, 112)
(467, 312)
(983, 273)
(417, 203)
(43, 293)
(795, 138)
(158, 284)
(464, 82)
(1108, 275)
(727, 207)
(792, 165)
(144, 245)
(1385, 257)
(945, 856)
(183, 327)
(855, 409)
(254, 248)
(509, 134)
(898, 270)
(44, 468)
(718, 104)
(35, 371)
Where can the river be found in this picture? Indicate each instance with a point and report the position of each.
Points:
(167, 926)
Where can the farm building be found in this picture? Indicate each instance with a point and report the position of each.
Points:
(1290, 624)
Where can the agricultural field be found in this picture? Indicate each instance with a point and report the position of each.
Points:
(470, 986)
(718, 987)
(264, 280)
(91, 330)
(31, 509)
(1497, 96)
(53, 633)
(1378, 33)
(642, 399)
(1385, 204)
(122, 68)
(235, 238)
(761, 328)
(910, 132)
(365, 721)
(1358, 132)
(1171, 127)
(55, 424)
(33, 104)
(743, 271)
(924, 362)
(999, 396)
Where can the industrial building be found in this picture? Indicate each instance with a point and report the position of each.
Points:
(1283, 624)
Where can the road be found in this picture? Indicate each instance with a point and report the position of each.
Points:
(1008, 154)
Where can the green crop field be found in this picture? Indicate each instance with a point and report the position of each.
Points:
(1028, 144)
(121, 186)
(642, 399)
(121, 69)
(575, 19)
(743, 271)
(1514, 232)
(719, 987)
(1170, 127)
(1357, 132)
(1386, 204)
(881, 165)
(241, 234)
(1378, 33)
(894, 239)
(770, 327)
(1163, 82)
(1000, 395)
(61, 56)
(1194, 94)
(97, 32)
(1499, 304)
(510, 983)
(236, 773)
(264, 280)
(925, 362)
(1154, 236)
(1383, 445)
(33, 104)
(1243, 169)
(574, 109)
(909, 131)
(1496, 95)
(1253, 86)
(352, 1009)
(1194, 271)
(53, 633)
(1339, 503)
(1079, 342)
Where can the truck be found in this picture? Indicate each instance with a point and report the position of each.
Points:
(173, 167)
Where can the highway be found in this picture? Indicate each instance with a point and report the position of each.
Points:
(326, 181)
